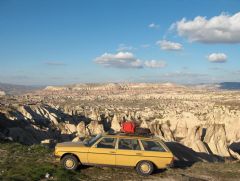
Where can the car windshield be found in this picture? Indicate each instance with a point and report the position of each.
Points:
(92, 140)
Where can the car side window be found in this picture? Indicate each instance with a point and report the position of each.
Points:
(107, 143)
(152, 146)
(128, 144)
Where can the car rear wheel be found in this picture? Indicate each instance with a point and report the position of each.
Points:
(70, 162)
(145, 168)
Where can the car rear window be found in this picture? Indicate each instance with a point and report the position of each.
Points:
(128, 144)
(107, 143)
(152, 146)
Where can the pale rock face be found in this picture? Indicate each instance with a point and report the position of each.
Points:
(70, 128)
(25, 113)
(115, 124)
(81, 129)
(38, 112)
(173, 117)
(167, 133)
(222, 115)
(162, 131)
(53, 118)
(147, 113)
(128, 117)
(234, 154)
(93, 115)
(193, 140)
(95, 128)
(2, 93)
(216, 139)
(46, 141)
(99, 118)
(181, 129)
(232, 129)
(185, 121)
(144, 124)
(55, 88)
(191, 119)
(76, 139)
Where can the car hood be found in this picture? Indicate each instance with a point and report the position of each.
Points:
(70, 144)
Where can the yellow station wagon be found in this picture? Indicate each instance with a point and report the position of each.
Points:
(143, 153)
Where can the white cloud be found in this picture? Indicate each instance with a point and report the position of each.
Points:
(119, 60)
(219, 29)
(153, 25)
(168, 45)
(123, 47)
(217, 57)
(155, 64)
(127, 60)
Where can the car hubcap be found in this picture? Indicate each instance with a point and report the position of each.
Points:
(145, 168)
(69, 163)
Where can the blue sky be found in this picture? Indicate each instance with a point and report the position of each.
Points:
(63, 42)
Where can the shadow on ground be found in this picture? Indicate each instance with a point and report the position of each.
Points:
(186, 157)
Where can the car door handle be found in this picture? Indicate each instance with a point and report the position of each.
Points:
(112, 152)
(138, 153)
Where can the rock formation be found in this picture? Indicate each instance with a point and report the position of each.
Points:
(81, 129)
(115, 124)
(94, 128)
(216, 140)
(162, 130)
(194, 140)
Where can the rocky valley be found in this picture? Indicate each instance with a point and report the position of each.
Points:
(197, 123)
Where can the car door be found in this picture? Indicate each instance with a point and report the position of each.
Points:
(155, 152)
(103, 152)
(128, 152)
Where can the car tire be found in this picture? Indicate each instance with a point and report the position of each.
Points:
(70, 162)
(145, 168)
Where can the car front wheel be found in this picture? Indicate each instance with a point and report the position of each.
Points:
(70, 162)
(144, 168)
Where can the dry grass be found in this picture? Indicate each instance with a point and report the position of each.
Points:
(18, 162)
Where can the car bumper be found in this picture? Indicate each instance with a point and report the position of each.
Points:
(57, 157)
(171, 165)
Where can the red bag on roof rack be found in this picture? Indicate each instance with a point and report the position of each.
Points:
(128, 127)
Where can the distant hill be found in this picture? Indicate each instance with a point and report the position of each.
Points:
(219, 86)
(229, 85)
(111, 86)
(12, 89)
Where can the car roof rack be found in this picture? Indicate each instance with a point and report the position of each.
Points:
(131, 134)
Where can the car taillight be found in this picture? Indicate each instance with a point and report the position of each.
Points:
(172, 162)
(55, 151)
